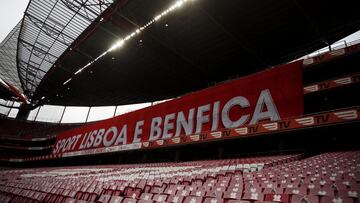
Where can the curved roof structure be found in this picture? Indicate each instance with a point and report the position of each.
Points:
(8, 70)
(10, 86)
(48, 29)
(202, 43)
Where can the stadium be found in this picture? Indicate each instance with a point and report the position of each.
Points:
(181, 101)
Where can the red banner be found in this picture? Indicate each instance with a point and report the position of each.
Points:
(270, 95)
(329, 84)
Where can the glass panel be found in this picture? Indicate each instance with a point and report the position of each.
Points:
(75, 114)
(32, 114)
(13, 113)
(4, 110)
(16, 104)
(131, 107)
(101, 113)
(50, 113)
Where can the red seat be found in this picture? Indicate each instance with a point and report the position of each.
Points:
(214, 194)
(304, 199)
(69, 200)
(253, 196)
(183, 192)
(277, 198)
(336, 200)
(104, 199)
(252, 189)
(238, 201)
(157, 189)
(198, 193)
(94, 194)
(232, 195)
(72, 194)
(129, 200)
(5, 198)
(146, 196)
(349, 193)
(213, 200)
(82, 201)
(193, 199)
(296, 191)
(145, 201)
(159, 197)
(220, 189)
(175, 199)
(273, 191)
(322, 192)
(170, 191)
(235, 189)
(116, 199)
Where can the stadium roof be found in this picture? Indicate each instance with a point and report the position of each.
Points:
(10, 86)
(203, 42)
(8, 71)
(48, 29)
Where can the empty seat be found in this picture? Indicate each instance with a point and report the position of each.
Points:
(232, 195)
(253, 196)
(213, 200)
(128, 200)
(336, 200)
(322, 192)
(296, 191)
(304, 199)
(146, 196)
(69, 200)
(238, 201)
(144, 201)
(175, 199)
(116, 199)
(159, 197)
(104, 199)
(277, 198)
(193, 199)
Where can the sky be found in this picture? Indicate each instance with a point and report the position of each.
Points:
(11, 12)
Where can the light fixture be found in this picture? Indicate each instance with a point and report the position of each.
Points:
(67, 81)
(79, 71)
(120, 43)
(117, 44)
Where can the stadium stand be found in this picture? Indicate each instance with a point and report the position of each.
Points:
(21, 139)
(328, 177)
(281, 129)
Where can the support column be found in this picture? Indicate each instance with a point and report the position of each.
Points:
(24, 111)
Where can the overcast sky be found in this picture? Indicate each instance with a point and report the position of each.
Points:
(11, 12)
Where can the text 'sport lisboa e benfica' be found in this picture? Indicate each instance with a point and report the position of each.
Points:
(270, 95)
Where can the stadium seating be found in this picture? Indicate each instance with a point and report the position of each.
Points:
(30, 131)
(330, 177)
